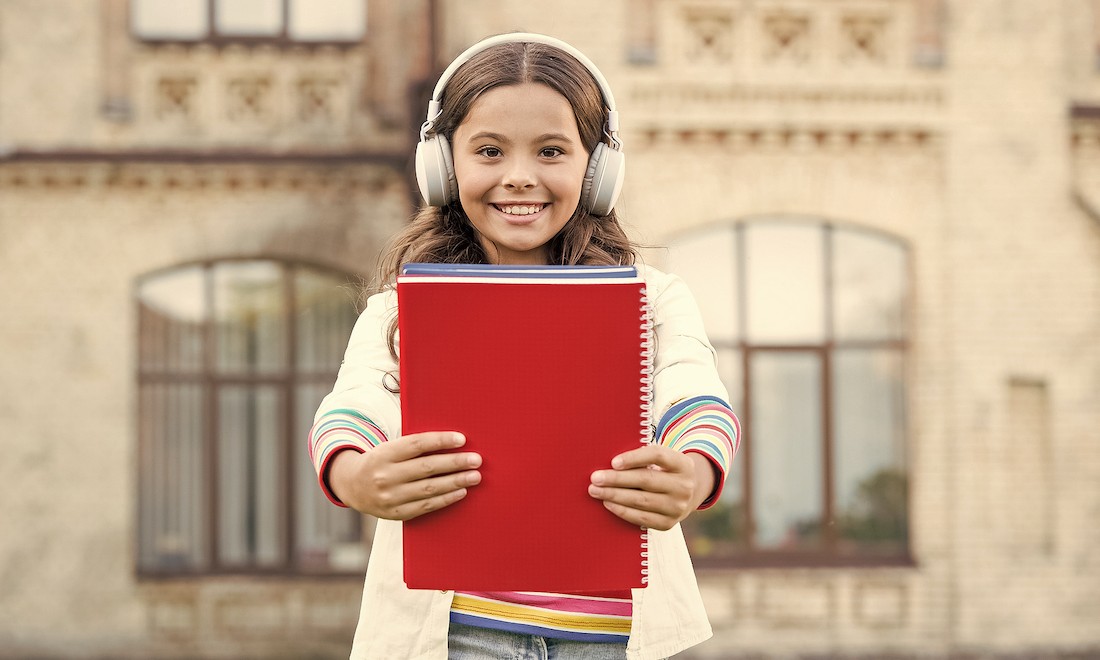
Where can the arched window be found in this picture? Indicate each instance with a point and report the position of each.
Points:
(233, 359)
(810, 320)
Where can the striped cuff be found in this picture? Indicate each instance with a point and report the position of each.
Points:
(335, 431)
(704, 425)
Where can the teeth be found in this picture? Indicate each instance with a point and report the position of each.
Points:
(521, 210)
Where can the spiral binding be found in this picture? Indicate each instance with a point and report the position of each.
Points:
(646, 395)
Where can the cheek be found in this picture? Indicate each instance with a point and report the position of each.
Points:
(571, 183)
(469, 184)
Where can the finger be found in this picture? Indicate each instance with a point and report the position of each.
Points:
(408, 497)
(418, 444)
(639, 500)
(644, 519)
(409, 510)
(423, 467)
(439, 485)
(663, 457)
(643, 478)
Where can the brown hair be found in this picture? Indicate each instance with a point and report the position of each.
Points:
(445, 235)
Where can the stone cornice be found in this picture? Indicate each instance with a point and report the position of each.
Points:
(783, 137)
(198, 171)
(704, 96)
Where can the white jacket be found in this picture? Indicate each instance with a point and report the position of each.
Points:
(396, 622)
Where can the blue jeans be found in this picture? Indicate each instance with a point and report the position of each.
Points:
(473, 643)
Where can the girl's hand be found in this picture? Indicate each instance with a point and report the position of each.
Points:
(654, 486)
(397, 481)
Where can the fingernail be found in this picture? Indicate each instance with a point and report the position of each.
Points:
(594, 491)
(617, 462)
(474, 461)
(597, 477)
(460, 439)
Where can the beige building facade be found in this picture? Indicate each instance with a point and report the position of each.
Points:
(909, 189)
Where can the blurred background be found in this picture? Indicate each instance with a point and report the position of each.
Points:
(888, 210)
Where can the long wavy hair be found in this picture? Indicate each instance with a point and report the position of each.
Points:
(445, 234)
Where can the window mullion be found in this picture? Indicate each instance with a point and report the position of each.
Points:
(285, 34)
(828, 463)
(210, 429)
(746, 449)
(290, 496)
(741, 293)
(212, 31)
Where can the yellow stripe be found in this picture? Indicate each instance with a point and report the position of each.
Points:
(541, 617)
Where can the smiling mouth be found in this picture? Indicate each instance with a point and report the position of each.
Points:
(519, 209)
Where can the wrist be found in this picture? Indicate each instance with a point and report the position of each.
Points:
(336, 474)
(705, 478)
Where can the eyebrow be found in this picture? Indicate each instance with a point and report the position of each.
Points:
(486, 135)
(497, 137)
(553, 137)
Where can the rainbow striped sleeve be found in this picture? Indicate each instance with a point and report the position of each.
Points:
(337, 430)
(705, 425)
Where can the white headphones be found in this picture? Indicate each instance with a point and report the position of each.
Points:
(603, 180)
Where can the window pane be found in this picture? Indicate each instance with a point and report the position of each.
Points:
(325, 316)
(328, 537)
(249, 17)
(250, 476)
(869, 283)
(721, 530)
(706, 262)
(871, 480)
(169, 19)
(731, 370)
(786, 450)
(785, 283)
(171, 310)
(249, 304)
(331, 20)
(172, 479)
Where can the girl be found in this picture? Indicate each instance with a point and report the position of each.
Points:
(520, 164)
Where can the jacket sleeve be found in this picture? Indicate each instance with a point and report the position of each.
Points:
(690, 403)
(360, 412)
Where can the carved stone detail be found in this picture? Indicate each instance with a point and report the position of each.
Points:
(248, 99)
(175, 98)
(864, 38)
(711, 34)
(787, 36)
(316, 99)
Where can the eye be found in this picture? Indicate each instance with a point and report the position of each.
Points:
(551, 152)
(490, 152)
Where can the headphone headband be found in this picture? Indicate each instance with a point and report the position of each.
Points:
(523, 38)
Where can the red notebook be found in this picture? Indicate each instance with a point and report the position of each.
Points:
(547, 372)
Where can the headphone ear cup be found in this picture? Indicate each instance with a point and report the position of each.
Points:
(435, 172)
(603, 180)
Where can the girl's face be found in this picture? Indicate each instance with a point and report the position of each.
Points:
(520, 163)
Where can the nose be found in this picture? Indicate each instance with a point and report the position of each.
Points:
(519, 175)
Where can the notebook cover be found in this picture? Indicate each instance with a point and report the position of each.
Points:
(543, 370)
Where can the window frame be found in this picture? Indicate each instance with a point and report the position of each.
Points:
(748, 554)
(211, 381)
(280, 40)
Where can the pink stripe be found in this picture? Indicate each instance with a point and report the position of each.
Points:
(560, 602)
